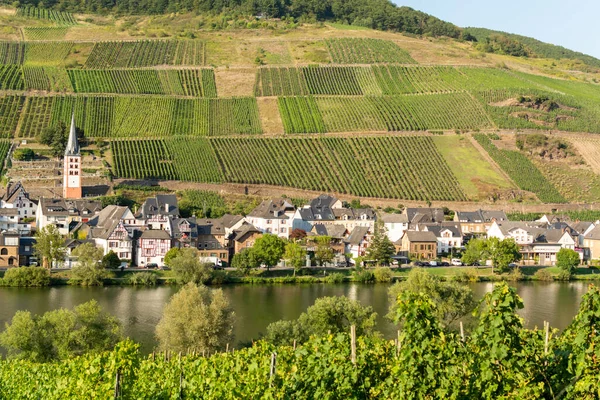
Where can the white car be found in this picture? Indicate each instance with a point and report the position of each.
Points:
(456, 262)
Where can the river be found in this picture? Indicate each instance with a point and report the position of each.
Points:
(139, 309)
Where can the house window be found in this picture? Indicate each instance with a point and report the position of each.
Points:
(122, 255)
(11, 241)
(4, 252)
(268, 222)
(27, 248)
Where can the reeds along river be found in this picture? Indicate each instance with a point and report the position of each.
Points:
(140, 309)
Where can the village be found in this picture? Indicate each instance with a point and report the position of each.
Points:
(142, 237)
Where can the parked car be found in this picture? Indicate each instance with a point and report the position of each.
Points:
(151, 266)
(433, 263)
(512, 265)
(218, 266)
(456, 262)
(444, 264)
(420, 264)
(165, 268)
(476, 264)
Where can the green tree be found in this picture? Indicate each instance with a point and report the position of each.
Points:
(60, 334)
(295, 255)
(171, 254)
(475, 251)
(328, 314)
(452, 300)
(188, 268)
(567, 260)
(245, 260)
(49, 246)
(24, 154)
(111, 260)
(269, 249)
(196, 318)
(26, 277)
(323, 251)
(55, 136)
(381, 248)
(502, 253)
(89, 270)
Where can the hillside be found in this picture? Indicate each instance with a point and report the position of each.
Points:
(289, 106)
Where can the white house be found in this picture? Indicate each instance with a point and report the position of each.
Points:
(62, 213)
(152, 247)
(357, 242)
(9, 220)
(273, 216)
(157, 212)
(112, 230)
(395, 225)
(17, 197)
(448, 235)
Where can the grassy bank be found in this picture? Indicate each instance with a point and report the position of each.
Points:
(347, 275)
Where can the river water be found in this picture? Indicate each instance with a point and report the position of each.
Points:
(139, 309)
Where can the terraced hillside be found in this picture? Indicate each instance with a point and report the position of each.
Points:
(355, 112)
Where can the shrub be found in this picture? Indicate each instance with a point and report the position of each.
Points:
(26, 277)
(336, 277)
(142, 279)
(515, 275)
(23, 154)
(543, 275)
(467, 275)
(564, 275)
(364, 276)
(383, 275)
(306, 279)
(219, 278)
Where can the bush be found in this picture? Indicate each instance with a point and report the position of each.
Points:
(219, 278)
(142, 279)
(26, 277)
(23, 154)
(336, 277)
(383, 275)
(467, 275)
(564, 275)
(515, 275)
(543, 275)
(364, 276)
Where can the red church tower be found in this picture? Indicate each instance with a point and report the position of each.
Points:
(72, 166)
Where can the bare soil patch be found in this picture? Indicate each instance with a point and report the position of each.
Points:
(270, 119)
(233, 82)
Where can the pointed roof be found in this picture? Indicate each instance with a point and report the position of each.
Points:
(72, 144)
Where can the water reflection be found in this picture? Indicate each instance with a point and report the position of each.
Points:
(256, 306)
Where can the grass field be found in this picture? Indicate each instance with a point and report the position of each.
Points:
(474, 173)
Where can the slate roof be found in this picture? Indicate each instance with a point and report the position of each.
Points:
(424, 215)
(103, 225)
(240, 234)
(161, 204)
(12, 190)
(437, 229)
(217, 226)
(72, 148)
(581, 226)
(334, 231)
(594, 234)
(357, 235)
(394, 218)
(62, 207)
(177, 223)
(481, 216)
(421, 236)
(272, 209)
(155, 234)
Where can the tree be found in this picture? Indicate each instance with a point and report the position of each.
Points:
(56, 137)
(323, 251)
(23, 154)
(187, 267)
(295, 255)
(328, 314)
(453, 300)
(475, 251)
(502, 253)
(269, 249)
(89, 270)
(171, 254)
(245, 260)
(49, 246)
(196, 318)
(60, 334)
(567, 260)
(111, 260)
(381, 249)
(297, 234)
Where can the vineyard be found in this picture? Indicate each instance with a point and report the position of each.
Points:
(182, 82)
(146, 53)
(375, 114)
(366, 51)
(59, 17)
(143, 116)
(382, 79)
(521, 171)
(497, 359)
(4, 148)
(10, 109)
(45, 33)
(407, 167)
(181, 159)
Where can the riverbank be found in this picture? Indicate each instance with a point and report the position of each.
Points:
(342, 275)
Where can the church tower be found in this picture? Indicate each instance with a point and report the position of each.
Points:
(72, 166)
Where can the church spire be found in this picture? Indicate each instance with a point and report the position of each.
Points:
(72, 144)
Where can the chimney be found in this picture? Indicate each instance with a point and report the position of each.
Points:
(166, 207)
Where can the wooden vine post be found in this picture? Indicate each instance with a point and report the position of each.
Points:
(353, 343)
